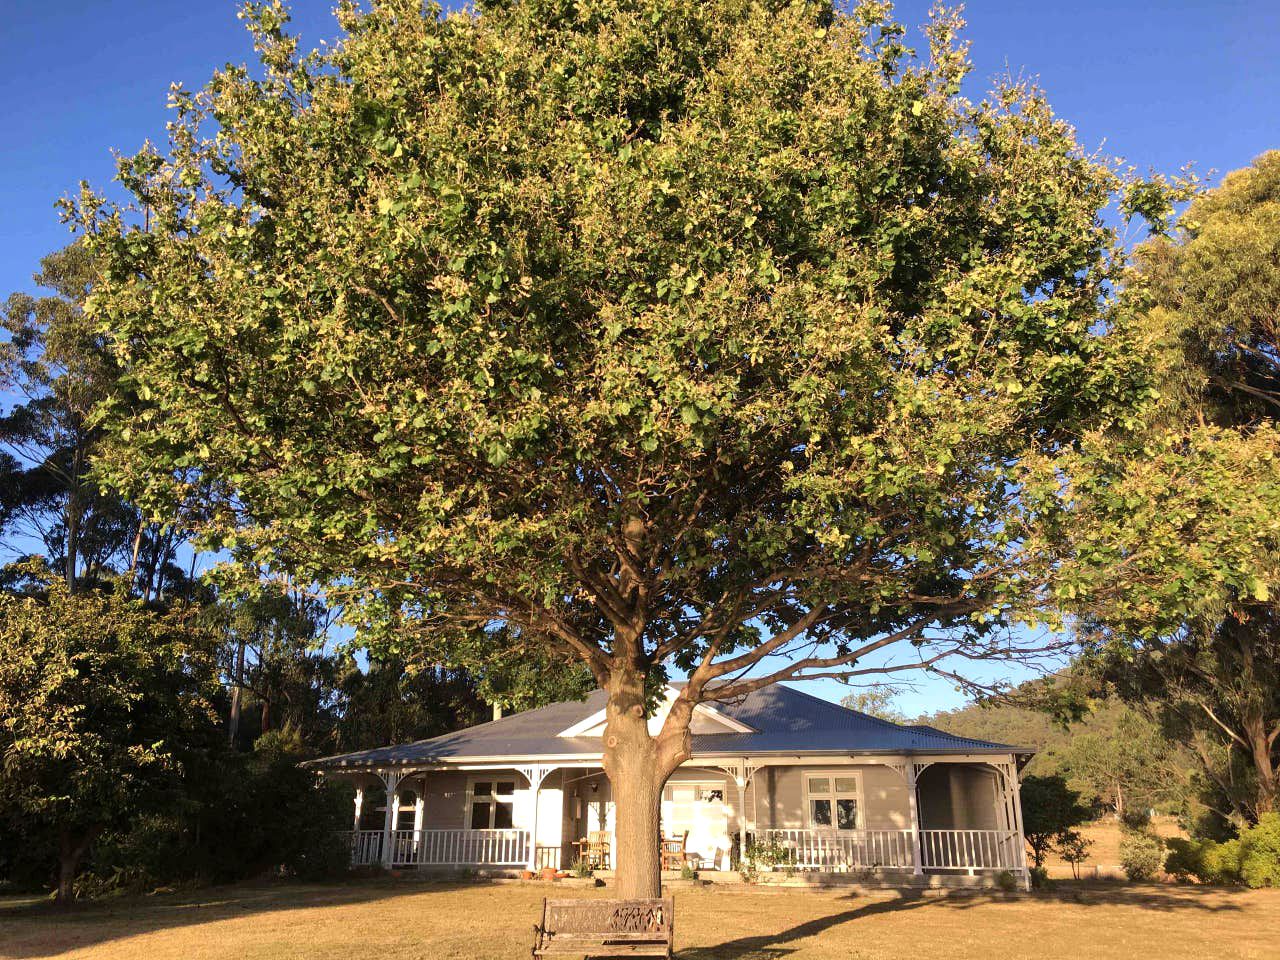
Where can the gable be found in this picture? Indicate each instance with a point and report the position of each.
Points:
(706, 720)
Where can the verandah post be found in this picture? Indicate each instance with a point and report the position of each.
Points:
(419, 818)
(917, 860)
(392, 782)
(535, 776)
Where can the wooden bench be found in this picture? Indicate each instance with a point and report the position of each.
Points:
(605, 928)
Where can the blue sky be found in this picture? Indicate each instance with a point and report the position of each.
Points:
(1158, 83)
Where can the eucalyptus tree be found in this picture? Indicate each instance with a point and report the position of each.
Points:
(664, 337)
(1189, 506)
(55, 366)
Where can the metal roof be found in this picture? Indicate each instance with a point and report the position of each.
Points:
(788, 722)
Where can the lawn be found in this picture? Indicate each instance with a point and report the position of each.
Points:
(390, 920)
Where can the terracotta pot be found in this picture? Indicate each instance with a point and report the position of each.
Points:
(526, 874)
(548, 873)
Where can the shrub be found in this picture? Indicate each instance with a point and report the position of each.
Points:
(688, 873)
(1253, 858)
(1222, 862)
(1141, 854)
(1006, 881)
(1260, 852)
(1187, 858)
(581, 868)
(1040, 878)
(1135, 818)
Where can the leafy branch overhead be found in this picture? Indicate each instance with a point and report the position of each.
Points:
(661, 333)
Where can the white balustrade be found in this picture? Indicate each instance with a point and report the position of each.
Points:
(840, 850)
(969, 849)
(471, 848)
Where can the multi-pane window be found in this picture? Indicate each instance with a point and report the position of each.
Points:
(833, 802)
(493, 804)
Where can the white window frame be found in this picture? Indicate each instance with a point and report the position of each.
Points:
(498, 798)
(833, 795)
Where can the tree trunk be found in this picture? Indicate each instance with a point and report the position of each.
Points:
(638, 766)
(237, 696)
(630, 760)
(74, 509)
(1264, 767)
(70, 851)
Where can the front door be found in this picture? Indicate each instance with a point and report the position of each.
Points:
(700, 809)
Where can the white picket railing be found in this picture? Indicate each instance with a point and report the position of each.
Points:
(469, 848)
(841, 850)
(366, 847)
(969, 850)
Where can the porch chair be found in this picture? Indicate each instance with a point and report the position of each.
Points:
(595, 849)
(675, 852)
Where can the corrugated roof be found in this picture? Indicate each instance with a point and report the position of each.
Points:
(788, 721)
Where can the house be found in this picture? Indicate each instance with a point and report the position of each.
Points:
(819, 786)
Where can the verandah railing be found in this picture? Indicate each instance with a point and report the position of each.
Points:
(470, 848)
(970, 849)
(967, 850)
(840, 850)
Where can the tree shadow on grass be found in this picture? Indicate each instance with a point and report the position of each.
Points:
(39, 928)
(30, 929)
(774, 945)
(777, 945)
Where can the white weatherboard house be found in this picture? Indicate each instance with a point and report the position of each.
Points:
(831, 789)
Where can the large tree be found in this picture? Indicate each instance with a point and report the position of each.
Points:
(1190, 503)
(661, 336)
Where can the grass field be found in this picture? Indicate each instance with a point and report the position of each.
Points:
(1104, 855)
(398, 920)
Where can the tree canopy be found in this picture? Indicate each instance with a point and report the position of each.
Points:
(1176, 529)
(654, 335)
(99, 699)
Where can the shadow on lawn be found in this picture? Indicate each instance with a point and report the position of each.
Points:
(39, 929)
(86, 924)
(777, 945)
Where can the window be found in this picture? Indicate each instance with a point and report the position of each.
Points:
(832, 801)
(492, 804)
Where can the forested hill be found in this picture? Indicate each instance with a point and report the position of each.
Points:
(1114, 756)
(1017, 726)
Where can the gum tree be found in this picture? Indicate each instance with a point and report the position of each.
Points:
(659, 336)
(1189, 507)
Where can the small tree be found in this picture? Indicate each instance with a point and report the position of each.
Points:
(98, 699)
(1049, 810)
(1073, 848)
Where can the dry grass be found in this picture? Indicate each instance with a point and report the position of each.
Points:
(397, 920)
(1104, 855)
